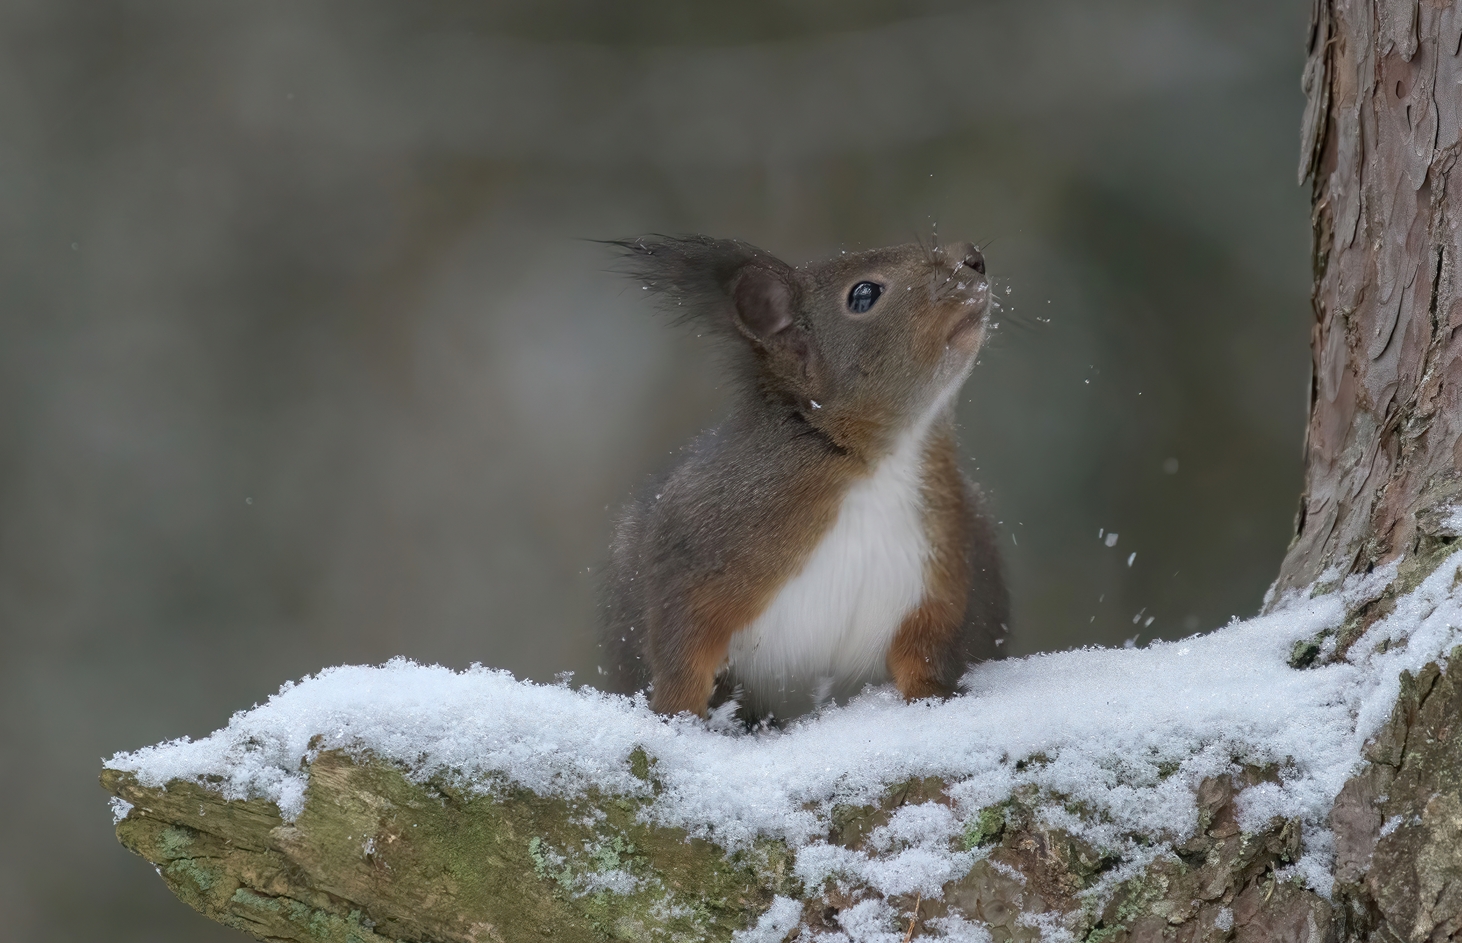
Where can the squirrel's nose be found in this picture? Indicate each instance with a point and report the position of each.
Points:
(964, 255)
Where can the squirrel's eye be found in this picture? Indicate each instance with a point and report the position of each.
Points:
(861, 298)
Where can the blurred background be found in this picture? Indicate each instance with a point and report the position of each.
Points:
(305, 360)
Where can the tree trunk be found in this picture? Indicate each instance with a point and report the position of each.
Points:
(375, 856)
(1380, 141)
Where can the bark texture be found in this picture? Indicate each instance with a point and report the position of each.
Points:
(374, 857)
(1398, 825)
(1380, 143)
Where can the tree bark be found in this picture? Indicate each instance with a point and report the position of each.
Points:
(374, 856)
(1380, 141)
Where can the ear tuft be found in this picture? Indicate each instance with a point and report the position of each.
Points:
(690, 273)
(731, 288)
(727, 285)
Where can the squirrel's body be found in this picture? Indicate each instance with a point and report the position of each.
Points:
(831, 624)
(807, 547)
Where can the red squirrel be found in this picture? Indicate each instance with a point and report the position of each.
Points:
(823, 537)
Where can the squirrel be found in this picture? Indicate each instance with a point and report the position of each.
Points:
(823, 537)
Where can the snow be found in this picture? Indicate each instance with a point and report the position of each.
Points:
(1127, 733)
(780, 919)
(614, 881)
(868, 921)
(957, 929)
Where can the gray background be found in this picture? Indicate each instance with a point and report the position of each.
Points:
(304, 359)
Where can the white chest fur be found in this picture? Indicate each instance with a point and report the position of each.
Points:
(829, 627)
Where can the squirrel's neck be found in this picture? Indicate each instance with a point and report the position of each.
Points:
(861, 437)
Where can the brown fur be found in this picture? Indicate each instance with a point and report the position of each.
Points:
(931, 650)
(825, 395)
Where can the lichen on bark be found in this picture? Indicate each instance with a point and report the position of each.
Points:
(375, 856)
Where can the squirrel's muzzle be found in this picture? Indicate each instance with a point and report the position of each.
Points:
(961, 288)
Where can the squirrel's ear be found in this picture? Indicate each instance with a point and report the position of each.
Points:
(763, 303)
(730, 286)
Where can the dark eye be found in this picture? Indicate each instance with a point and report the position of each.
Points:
(861, 298)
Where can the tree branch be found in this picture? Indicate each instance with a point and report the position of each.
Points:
(375, 856)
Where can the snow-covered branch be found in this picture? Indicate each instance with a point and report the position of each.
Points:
(1185, 790)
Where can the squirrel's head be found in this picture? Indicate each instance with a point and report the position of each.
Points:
(864, 345)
